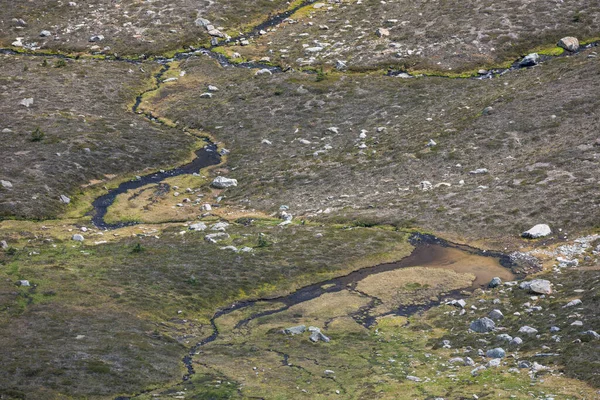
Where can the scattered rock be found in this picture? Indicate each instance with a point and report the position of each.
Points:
(263, 71)
(413, 378)
(3, 245)
(495, 282)
(496, 353)
(220, 182)
(6, 184)
(482, 325)
(479, 171)
(64, 199)
(23, 283)
(77, 237)
(469, 362)
(572, 303)
(219, 226)
(426, 185)
(295, 330)
(496, 315)
(96, 38)
(457, 303)
(541, 286)
(530, 60)
(215, 237)
(381, 32)
(516, 341)
(537, 231)
(206, 95)
(504, 337)
(26, 102)
(591, 333)
(45, 33)
(569, 43)
(200, 226)
(528, 330)
(202, 22)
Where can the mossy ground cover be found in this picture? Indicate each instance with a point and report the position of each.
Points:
(157, 293)
(255, 359)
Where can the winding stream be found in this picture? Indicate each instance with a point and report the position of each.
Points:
(429, 251)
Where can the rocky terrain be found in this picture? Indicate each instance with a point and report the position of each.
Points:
(289, 200)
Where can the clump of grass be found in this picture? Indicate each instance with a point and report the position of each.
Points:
(37, 135)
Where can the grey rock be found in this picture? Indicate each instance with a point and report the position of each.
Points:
(516, 341)
(340, 65)
(233, 248)
(504, 337)
(382, 32)
(495, 282)
(6, 184)
(495, 362)
(263, 71)
(200, 226)
(295, 330)
(77, 237)
(479, 171)
(202, 22)
(64, 199)
(577, 323)
(24, 283)
(413, 378)
(220, 182)
(541, 286)
(96, 38)
(219, 226)
(469, 362)
(206, 95)
(483, 325)
(45, 33)
(572, 303)
(591, 333)
(530, 60)
(315, 336)
(554, 329)
(3, 245)
(528, 330)
(496, 315)
(215, 237)
(26, 102)
(456, 360)
(496, 353)
(426, 185)
(524, 364)
(569, 43)
(538, 231)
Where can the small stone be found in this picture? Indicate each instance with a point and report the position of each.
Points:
(26, 102)
(381, 32)
(295, 330)
(572, 303)
(6, 184)
(96, 38)
(213, 88)
(426, 185)
(413, 378)
(495, 282)
(528, 330)
(504, 337)
(482, 325)
(496, 353)
(496, 315)
(200, 226)
(3, 245)
(24, 283)
(479, 171)
(516, 341)
(64, 199)
(77, 237)
(45, 33)
(206, 95)
(263, 71)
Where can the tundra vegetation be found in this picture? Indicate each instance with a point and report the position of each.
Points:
(304, 260)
